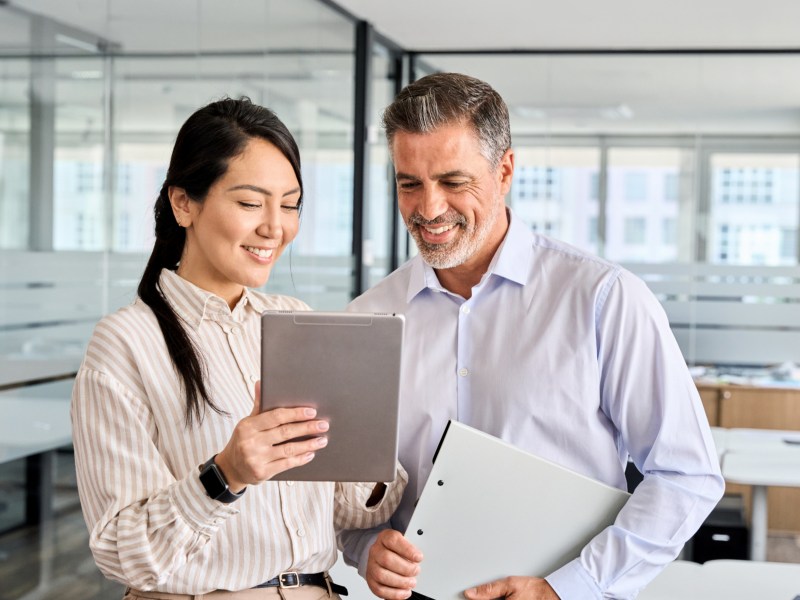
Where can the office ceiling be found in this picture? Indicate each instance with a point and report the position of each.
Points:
(547, 94)
(506, 24)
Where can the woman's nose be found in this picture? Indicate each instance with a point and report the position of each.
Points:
(270, 226)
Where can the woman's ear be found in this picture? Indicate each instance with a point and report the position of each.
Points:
(181, 203)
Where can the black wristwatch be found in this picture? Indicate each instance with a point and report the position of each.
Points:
(214, 482)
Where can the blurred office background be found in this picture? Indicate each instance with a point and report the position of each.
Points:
(663, 137)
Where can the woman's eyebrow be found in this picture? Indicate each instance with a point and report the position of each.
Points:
(260, 190)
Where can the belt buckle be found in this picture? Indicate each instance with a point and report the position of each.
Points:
(290, 575)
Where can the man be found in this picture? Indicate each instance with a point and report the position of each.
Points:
(558, 352)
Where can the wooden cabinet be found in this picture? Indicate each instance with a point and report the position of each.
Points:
(758, 408)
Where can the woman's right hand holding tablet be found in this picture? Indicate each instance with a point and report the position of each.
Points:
(260, 448)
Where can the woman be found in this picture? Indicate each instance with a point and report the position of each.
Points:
(169, 442)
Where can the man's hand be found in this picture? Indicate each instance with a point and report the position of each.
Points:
(513, 588)
(392, 565)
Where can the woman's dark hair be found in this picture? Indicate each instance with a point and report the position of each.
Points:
(206, 143)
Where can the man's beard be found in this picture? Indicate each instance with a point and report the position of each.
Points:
(456, 252)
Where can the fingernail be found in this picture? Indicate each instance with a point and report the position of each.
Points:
(323, 441)
(309, 456)
(323, 426)
(310, 412)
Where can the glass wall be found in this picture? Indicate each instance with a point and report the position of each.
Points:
(653, 158)
(87, 124)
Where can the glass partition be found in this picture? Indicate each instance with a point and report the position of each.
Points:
(14, 153)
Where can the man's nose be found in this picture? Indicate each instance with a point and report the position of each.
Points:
(433, 203)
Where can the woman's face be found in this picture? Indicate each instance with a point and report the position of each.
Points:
(237, 233)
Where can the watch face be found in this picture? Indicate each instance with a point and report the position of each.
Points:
(213, 481)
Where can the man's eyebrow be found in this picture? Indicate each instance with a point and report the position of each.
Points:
(260, 190)
(456, 173)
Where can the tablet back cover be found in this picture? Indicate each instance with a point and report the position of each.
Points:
(347, 366)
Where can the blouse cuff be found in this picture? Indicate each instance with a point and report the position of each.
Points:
(203, 514)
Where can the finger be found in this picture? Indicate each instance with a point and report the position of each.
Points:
(489, 591)
(389, 578)
(395, 563)
(292, 431)
(269, 419)
(388, 593)
(397, 543)
(292, 449)
(256, 399)
(284, 464)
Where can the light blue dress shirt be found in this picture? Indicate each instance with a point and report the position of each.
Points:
(571, 358)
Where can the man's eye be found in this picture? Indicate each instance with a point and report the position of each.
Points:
(453, 184)
(408, 185)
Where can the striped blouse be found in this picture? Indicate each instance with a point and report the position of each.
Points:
(151, 524)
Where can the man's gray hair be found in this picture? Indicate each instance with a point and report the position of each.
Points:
(452, 98)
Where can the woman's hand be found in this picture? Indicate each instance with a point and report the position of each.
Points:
(259, 448)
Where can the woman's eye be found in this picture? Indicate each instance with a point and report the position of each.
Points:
(249, 204)
(290, 207)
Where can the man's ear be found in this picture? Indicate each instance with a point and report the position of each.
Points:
(180, 202)
(505, 171)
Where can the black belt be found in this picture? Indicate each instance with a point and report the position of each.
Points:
(293, 579)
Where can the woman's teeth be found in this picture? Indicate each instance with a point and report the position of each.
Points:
(260, 252)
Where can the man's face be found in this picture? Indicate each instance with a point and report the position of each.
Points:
(450, 197)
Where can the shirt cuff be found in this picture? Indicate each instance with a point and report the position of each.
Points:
(203, 514)
(365, 544)
(573, 582)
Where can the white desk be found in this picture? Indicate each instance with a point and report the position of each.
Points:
(759, 458)
(761, 469)
(725, 580)
(35, 423)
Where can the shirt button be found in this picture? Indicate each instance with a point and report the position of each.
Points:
(253, 378)
(235, 330)
(465, 309)
(463, 371)
(290, 483)
(301, 532)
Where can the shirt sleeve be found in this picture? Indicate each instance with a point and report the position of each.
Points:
(143, 522)
(357, 526)
(648, 394)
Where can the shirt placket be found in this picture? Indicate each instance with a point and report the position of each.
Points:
(237, 340)
(464, 365)
(295, 526)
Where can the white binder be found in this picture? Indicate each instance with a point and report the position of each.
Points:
(490, 510)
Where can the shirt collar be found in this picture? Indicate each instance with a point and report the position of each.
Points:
(194, 304)
(511, 261)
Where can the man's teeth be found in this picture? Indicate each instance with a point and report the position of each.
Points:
(259, 251)
(439, 230)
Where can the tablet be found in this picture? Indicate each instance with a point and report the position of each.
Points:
(347, 366)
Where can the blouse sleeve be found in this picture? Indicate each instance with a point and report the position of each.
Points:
(143, 522)
(351, 510)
